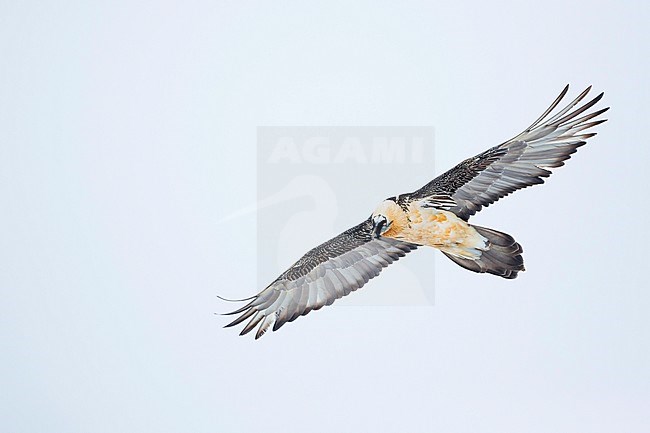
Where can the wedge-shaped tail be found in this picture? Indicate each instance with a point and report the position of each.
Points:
(502, 256)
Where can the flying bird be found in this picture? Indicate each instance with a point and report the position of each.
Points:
(435, 215)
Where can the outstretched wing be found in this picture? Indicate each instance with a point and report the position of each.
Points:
(518, 163)
(326, 273)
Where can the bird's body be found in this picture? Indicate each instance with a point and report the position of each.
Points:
(435, 215)
(415, 222)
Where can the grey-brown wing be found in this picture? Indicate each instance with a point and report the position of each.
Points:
(518, 163)
(328, 272)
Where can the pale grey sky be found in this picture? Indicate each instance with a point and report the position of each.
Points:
(128, 131)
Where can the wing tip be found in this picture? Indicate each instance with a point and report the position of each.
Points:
(236, 300)
(564, 91)
(598, 97)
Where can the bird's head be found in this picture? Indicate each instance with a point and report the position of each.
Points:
(388, 219)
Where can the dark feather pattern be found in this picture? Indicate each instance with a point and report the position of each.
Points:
(328, 272)
(520, 162)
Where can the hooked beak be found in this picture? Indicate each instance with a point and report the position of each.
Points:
(378, 224)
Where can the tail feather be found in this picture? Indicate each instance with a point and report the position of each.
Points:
(501, 257)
